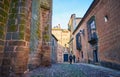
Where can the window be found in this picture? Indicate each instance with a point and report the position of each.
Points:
(92, 25)
(78, 41)
(82, 54)
(92, 35)
(106, 18)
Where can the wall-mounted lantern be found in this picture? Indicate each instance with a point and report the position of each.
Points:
(82, 31)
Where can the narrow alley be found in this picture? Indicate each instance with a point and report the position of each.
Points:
(38, 38)
(73, 70)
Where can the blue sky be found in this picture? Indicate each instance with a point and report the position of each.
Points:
(62, 10)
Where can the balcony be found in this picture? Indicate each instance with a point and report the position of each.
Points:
(93, 39)
(79, 46)
(78, 42)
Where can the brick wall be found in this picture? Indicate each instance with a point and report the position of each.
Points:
(109, 35)
(107, 31)
(83, 53)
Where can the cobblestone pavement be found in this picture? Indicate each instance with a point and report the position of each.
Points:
(97, 71)
(73, 70)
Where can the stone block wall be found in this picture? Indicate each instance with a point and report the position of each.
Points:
(17, 38)
(46, 16)
(35, 35)
(107, 31)
(4, 9)
(40, 34)
(25, 35)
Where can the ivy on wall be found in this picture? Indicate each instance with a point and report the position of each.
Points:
(4, 8)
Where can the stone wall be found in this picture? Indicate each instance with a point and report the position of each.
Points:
(108, 32)
(23, 34)
(40, 34)
(35, 35)
(4, 9)
(16, 47)
(54, 49)
(107, 28)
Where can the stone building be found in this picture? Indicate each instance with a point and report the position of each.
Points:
(99, 34)
(63, 37)
(25, 31)
(54, 49)
(72, 24)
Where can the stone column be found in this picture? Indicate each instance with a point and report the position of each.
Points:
(46, 19)
(35, 36)
(40, 34)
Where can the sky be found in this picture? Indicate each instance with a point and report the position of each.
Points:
(62, 10)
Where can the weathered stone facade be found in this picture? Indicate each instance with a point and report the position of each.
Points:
(105, 48)
(63, 37)
(4, 8)
(24, 35)
(72, 24)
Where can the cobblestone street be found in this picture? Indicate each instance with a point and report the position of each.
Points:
(73, 70)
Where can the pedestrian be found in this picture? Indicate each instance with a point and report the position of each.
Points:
(70, 59)
(74, 58)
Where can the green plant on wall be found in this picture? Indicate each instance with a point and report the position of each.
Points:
(45, 4)
(46, 28)
(1, 34)
(46, 37)
(22, 27)
(12, 28)
(38, 31)
(21, 35)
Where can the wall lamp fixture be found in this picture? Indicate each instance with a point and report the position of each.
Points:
(82, 31)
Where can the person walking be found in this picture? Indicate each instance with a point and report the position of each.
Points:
(74, 58)
(70, 59)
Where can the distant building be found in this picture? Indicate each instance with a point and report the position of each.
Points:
(63, 37)
(72, 24)
(97, 35)
(54, 49)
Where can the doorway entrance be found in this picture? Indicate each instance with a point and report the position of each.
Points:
(95, 55)
(65, 57)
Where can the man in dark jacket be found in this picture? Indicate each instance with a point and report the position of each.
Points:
(70, 59)
(74, 58)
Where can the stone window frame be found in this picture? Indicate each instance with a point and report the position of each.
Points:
(78, 42)
(106, 18)
(89, 29)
